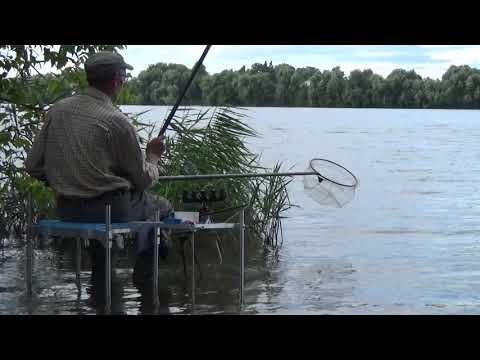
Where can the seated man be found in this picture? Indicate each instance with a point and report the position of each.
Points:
(89, 154)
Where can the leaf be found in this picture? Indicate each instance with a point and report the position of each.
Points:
(4, 137)
(53, 87)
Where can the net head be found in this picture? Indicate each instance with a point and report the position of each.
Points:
(333, 185)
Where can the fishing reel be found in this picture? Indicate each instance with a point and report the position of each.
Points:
(204, 197)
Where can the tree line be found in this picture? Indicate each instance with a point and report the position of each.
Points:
(286, 86)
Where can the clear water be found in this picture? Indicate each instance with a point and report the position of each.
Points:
(407, 244)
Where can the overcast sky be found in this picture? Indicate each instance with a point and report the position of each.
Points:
(427, 60)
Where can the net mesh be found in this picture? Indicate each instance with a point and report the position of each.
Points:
(334, 186)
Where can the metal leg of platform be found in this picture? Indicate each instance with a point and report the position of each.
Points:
(193, 270)
(29, 247)
(108, 259)
(78, 264)
(156, 243)
(242, 255)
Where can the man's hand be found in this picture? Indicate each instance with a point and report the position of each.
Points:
(155, 148)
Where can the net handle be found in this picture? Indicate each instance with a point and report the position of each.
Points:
(330, 180)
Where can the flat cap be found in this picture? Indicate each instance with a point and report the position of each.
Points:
(103, 58)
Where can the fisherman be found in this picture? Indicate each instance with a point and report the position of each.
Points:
(88, 153)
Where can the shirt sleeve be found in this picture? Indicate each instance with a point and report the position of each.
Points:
(131, 160)
(35, 162)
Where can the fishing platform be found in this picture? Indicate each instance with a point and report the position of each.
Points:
(105, 233)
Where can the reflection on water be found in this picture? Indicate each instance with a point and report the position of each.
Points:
(407, 244)
(57, 289)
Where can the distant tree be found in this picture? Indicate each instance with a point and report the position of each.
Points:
(284, 93)
(265, 84)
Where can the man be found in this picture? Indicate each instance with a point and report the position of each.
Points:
(89, 154)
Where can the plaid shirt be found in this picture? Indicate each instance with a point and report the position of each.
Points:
(87, 147)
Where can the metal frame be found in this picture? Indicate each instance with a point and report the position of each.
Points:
(78, 265)
(107, 237)
(192, 239)
(29, 248)
(241, 226)
(242, 255)
(156, 244)
(108, 258)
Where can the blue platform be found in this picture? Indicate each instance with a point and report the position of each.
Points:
(78, 229)
(58, 224)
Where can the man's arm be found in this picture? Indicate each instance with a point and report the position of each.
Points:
(142, 172)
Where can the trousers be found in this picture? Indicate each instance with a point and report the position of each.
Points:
(126, 205)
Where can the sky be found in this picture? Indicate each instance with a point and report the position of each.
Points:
(427, 60)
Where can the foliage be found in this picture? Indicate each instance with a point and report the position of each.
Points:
(25, 96)
(212, 141)
(283, 85)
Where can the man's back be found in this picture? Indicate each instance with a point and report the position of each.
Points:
(87, 148)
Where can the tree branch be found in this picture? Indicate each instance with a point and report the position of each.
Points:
(31, 107)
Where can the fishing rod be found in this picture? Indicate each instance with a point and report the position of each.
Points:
(322, 168)
(325, 181)
(228, 176)
(180, 98)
